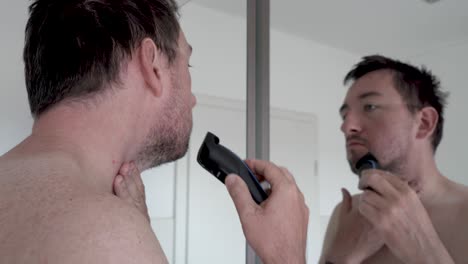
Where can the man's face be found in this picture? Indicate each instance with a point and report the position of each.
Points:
(169, 139)
(377, 120)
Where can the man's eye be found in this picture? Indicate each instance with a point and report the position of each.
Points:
(369, 107)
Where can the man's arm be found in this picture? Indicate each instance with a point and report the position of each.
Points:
(277, 228)
(350, 238)
(330, 233)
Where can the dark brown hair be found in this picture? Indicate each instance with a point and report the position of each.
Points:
(417, 86)
(73, 48)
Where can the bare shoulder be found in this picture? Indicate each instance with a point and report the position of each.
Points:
(463, 190)
(103, 229)
(355, 203)
(449, 218)
(458, 197)
(336, 211)
(334, 222)
(53, 220)
(449, 212)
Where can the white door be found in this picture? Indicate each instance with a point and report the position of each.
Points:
(213, 232)
(293, 145)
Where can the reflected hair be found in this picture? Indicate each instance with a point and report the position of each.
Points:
(418, 87)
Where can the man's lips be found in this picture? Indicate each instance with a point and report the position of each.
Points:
(353, 143)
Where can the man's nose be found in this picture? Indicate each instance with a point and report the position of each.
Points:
(351, 124)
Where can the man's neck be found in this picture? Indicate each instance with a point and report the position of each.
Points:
(97, 143)
(426, 179)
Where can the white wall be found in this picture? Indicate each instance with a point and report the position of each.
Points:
(15, 120)
(450, 64)
(305, 76)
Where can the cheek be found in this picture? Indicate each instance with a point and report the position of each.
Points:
(381, 134)
(185, 79)
(393, 142)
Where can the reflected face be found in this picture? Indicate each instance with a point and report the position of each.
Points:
(169, 139)
(377, 120)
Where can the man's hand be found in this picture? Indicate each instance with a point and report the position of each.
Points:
(396, 212)
(129, 187)
(355, 239)
(276, 229)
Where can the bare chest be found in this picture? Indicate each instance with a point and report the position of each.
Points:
(383, 256)
(450, 225)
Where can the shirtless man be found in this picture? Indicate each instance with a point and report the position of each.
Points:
(108, 83)
(408, 211)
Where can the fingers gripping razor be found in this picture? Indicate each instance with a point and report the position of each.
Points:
(220, 161)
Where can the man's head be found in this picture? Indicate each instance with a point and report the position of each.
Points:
(80, 51)
(391, 110)
(75, 49)
(168, 139)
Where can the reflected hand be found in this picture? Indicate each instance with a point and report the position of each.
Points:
(397, 213)
(355, 239)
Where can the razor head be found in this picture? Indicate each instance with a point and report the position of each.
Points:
(205, 157)
(220, 161)
(368, 161)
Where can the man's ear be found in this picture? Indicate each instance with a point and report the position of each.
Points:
(428, 118)
(152, 66)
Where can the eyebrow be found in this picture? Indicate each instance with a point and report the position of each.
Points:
(345, 107)
(369, 94)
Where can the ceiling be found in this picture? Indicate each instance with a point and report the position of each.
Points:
(391, 27)
(182, 2)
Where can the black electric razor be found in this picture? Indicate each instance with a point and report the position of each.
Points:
(220, 161)
(368, 161)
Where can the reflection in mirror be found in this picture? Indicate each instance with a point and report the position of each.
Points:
(314, 44)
